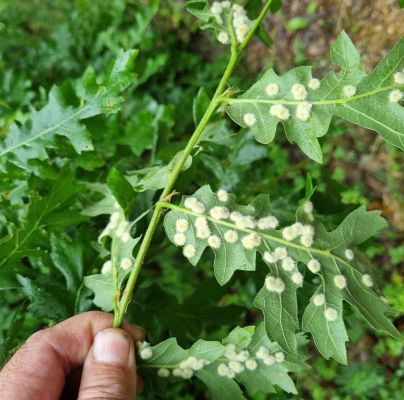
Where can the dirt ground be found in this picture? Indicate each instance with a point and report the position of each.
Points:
(374, 26)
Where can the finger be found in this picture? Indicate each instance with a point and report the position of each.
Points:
(37, 371)
(109, 370)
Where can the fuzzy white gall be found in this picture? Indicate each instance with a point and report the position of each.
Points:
(280, 253)
(279, 111)
(349, 91)
(106, 267)
(181, 225)
(331, 314)
(231, 236)
(340, 281)
(269, 222)
(367, 280)
(223, 37)
(299, 91)
(395, 96)
(251, 241)
(297, 278)
(270, 257)
(214, 241)
(349, 254)
(251, 364)
(249, 119)
(222, 195)
(272, 89)
(399, 78)
(189, 251)
(179, 239)
(146, 353)
(314, 265)
(319, 299)
(126, 263)
(288, 264)
(314, 84)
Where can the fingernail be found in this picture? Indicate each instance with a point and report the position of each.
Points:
(111, 346)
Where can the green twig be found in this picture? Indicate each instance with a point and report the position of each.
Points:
(215, 102)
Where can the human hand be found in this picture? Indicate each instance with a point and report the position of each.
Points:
(81, 358)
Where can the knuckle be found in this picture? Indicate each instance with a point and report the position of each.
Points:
(38, 337)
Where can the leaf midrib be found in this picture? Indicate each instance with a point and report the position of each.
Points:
(315, 102)
(45, 131)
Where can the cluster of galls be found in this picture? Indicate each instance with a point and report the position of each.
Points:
(240, 22)
(120, 228)
(202, 230)
(236, 362)
(299, 93)
(396, 95)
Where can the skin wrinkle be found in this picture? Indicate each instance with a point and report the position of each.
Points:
(109, 383)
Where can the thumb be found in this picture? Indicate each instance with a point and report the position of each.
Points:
(109, 370)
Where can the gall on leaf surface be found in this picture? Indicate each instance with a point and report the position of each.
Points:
(306, 112)
(260, 364)
(118, 244)
(277, 299)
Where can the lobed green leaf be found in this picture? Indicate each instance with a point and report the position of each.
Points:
(62, 117)
(365, 100)
(343, 276)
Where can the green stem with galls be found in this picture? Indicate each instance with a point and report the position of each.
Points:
(120, 309)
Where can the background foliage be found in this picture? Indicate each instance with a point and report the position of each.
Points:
(46, 43)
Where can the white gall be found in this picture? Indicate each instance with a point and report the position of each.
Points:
(214, 241)
(272, 89)
(179, 239)
(126, 263)
(223, 37)
(249, 119)
(231, 236)
(269, 360)
(399, 78)
(146, 353)
(269, 222)
(163, 372)
(107, 267)
(251, 241)
(319, 300)
(279, 111)
(288, 264)
(222, 195)
(349, 254)
(219, 212)
(314, 265)
(280, 253)
(236, 366)
(270, 257)
(367, 280)
(189, 251)
(395, 96)
(251, 364)
(349, 91)
(340, 281)
(299, 92)
(314, 84)
(330, 314)
(279, 357)
(181, 225)
(297, 278)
